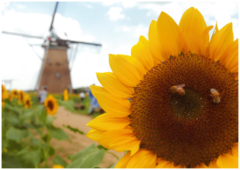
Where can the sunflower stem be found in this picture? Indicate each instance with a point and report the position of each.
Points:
(113, 155)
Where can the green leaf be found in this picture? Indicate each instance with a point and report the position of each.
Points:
(74, 129)
(10, 161)
(57, 133)
(26, 116)
(13, 146)
(9, 107)
(88, 158)
(17, 134)
(49, 120)
(28, 156)
(57, 160)
(51, 151)
(69, 105)
(12, 119)
(39, 110)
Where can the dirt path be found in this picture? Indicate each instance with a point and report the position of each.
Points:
(79, 142)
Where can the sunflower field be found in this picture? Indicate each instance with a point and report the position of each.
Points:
(27, 130)
(173, 103)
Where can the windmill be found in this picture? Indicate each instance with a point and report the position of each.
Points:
(55, 71)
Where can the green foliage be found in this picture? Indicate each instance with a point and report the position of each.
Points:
(87, 158)
(30, 157)
(57, 160)
(57, 133)
(74, 129)
(10, 161)
(69, 104)
(17, 134)
(27, 132)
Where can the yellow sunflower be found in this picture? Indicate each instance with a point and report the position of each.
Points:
(21, 97)
(4, 93)
(27, 101)
(174, 101)
(65, 94)
(51, 105)
(14, 93)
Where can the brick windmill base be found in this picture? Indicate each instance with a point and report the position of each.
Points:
(55, 72)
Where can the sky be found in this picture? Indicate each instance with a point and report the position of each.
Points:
(116, 25)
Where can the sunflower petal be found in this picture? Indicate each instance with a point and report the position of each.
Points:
(230, 57)
(120, 139)
(235, 150)
(121, 146)
(166, 164)
(144, 41)
(205, 43)
(142, 53)
(122, 163)
(114, 86)
(143, 159)
(154, 43)
(170, 36)
(127, 69)
(192, 25)
(95, 134)
(227, 161)
(221, 40)
(107, 121)
(117, 106)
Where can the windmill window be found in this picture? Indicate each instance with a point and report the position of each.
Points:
(57, 74)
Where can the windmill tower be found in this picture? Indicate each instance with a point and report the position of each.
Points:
(55, 72)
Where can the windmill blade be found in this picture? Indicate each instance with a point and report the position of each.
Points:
(82, 42)
(53, 16)
(23, 35)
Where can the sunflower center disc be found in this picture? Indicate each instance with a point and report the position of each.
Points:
(190, 106)
(50, 105)
(191, 129)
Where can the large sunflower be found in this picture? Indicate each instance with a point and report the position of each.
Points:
(174, 101)
(51, 105)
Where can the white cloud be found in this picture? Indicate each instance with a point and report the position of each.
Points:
(123, 49)
(25, 23)
(71, 27)
(109, 3)
(128, 4)
(140, 30)
(88, 5)
(19, 6)
(135, 31)
(115, 13)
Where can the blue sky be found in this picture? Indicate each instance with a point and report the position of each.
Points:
(117, 25)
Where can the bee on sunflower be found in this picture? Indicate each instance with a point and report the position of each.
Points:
(174, 102)
(65, 95)
(27, 101)
(51, 105)
(21, 97)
